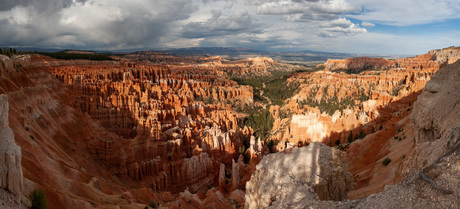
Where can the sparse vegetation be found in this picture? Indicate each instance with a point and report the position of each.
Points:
(361, 135)
(350, 137)
(270, 145)
(72, 56)
(397, 88)
(38, 199)
(10, 52)
(274, 87)
(386, 161)
(332, 104)
(152, 204)
(261, 121)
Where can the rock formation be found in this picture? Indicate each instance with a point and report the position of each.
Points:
(10, 154)
(434, 59)
(435, 118)
(315, 172)
(152, 126)
(130, 126)
(431, 172)
(336, 107)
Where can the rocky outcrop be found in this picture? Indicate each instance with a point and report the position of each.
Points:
(435, 118)
(434, 59)
(358, 64)
(446, 56)
(10, 154)
(315, 172)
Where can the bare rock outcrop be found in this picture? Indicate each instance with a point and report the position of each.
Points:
(435, 118)
(311, 173)
(10, 154)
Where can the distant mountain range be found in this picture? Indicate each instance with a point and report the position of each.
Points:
(299, 57)
(294, 56)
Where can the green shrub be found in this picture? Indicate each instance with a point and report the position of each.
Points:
(386, 161)
(152, 204)
(350, 137)
(261, 121)
(38, 199)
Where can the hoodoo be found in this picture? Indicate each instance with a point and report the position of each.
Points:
(207, 131)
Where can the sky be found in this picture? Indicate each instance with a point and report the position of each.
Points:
(349, 26)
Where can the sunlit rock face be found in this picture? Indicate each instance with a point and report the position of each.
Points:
(334, 107)
(311, 173)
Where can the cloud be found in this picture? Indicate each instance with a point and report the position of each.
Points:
(102, 24)
(218, 25)
(405, 13)
(46, 5)
(315, 7)
(324, 14)
(261, 24)
(340, 27)
(367, 24)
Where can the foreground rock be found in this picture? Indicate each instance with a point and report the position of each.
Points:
(11, 179)
(10, 154)
(311, 173)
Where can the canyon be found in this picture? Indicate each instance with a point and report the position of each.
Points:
(155, 129)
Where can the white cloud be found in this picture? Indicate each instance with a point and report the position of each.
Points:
(367, 24)
(407, 12)
(218, 25)
(340, 27)
(326, 15)
(314, 7)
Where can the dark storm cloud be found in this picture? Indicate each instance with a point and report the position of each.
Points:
(42, 5)
(93, 24)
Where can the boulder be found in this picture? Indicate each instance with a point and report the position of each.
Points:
(312, 173)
